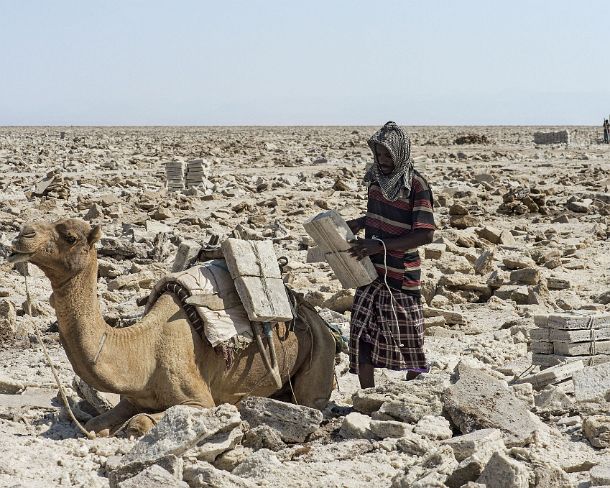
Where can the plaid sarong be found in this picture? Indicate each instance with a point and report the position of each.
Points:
(373, 322)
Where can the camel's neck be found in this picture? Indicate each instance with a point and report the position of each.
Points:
(96, 353)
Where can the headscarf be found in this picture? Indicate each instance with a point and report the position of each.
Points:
(394, 139)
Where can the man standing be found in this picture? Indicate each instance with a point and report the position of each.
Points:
(606, 131)
(387, 325)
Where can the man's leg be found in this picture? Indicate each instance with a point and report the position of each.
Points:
(366, 371)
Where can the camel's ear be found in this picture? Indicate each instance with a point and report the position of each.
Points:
(94, 236)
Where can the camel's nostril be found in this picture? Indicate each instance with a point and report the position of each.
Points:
(29, 234)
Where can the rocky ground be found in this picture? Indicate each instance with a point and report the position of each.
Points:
(523, 230)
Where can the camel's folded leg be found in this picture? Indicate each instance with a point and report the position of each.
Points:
(141, 423)
(108, 422)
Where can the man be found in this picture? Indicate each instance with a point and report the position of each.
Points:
(387, 325)
(606, 131)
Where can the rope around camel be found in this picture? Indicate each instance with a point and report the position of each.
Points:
(62, 393)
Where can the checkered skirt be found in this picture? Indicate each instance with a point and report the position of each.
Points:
(374, 322)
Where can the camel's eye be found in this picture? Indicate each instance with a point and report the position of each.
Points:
(70, 239)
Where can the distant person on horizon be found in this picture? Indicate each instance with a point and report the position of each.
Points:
(387, 323)
(606, 131)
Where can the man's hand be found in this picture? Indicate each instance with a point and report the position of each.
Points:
(362, 248)
(356, 225)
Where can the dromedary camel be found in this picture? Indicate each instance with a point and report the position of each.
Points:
(161, 361)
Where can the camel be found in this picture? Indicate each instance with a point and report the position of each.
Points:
(161, 361)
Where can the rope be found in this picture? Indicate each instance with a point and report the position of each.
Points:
(62, 393)
(392, 300)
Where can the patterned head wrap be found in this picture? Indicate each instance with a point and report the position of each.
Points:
(394, 139)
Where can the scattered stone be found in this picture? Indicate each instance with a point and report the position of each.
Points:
(258, 465)
(212, 447)
(179, 430)
(8, 320)
(10, 386)
(596, 429)
(153, 477)
(434, 427)
(600, 475)
(527, 276)
(388, 428)
(552, 375)
(504, 472)
(432, 470)
(484, 263)
(478, 401)
(592, 384)
(263, 437)
(293, 422)
(434, 251)
(204, 475)
(480, 442)
(408, 401)
(496, 236)
(356, 426)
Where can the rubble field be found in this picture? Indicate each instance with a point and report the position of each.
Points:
(517, 396)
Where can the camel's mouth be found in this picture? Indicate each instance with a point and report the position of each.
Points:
(19, 257)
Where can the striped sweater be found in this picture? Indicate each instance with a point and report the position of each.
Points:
(387, 219)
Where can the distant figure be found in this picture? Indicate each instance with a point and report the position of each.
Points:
(606, 131)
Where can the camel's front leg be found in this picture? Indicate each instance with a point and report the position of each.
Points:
(141, 423)
(108, 422)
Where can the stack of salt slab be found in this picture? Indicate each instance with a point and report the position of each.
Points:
(258, 279)
(560, 137)
(332, 235)
(174, 174)
(570, 337)
(197, 171)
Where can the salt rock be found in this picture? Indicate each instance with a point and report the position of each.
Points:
(504, 472)
(180, 429)
(229, 460)
(432, 470)
(263, 437)
(596, 429)
(484, 263)
(592, 383)
(153, 477)
(408, 401)
(477, 400)
(212, 447)
(481, 442)
(389, 428)
(414, 444)
(518, 262)
(259, 465)
(527, 276)
(433, 427)
(600, 475)
(203, 474)
(356, 426)
(293, 422)
(8, 319)
(496, 236)
(10, 386)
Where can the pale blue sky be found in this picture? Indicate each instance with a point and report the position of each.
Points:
(346, 62)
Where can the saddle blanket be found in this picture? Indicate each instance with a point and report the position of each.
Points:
(211, 303)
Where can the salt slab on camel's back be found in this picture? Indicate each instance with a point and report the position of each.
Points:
(332, 235)
(258, 279)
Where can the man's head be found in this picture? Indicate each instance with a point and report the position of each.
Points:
(393, 168)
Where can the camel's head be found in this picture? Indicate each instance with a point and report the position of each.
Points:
(61, 249)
